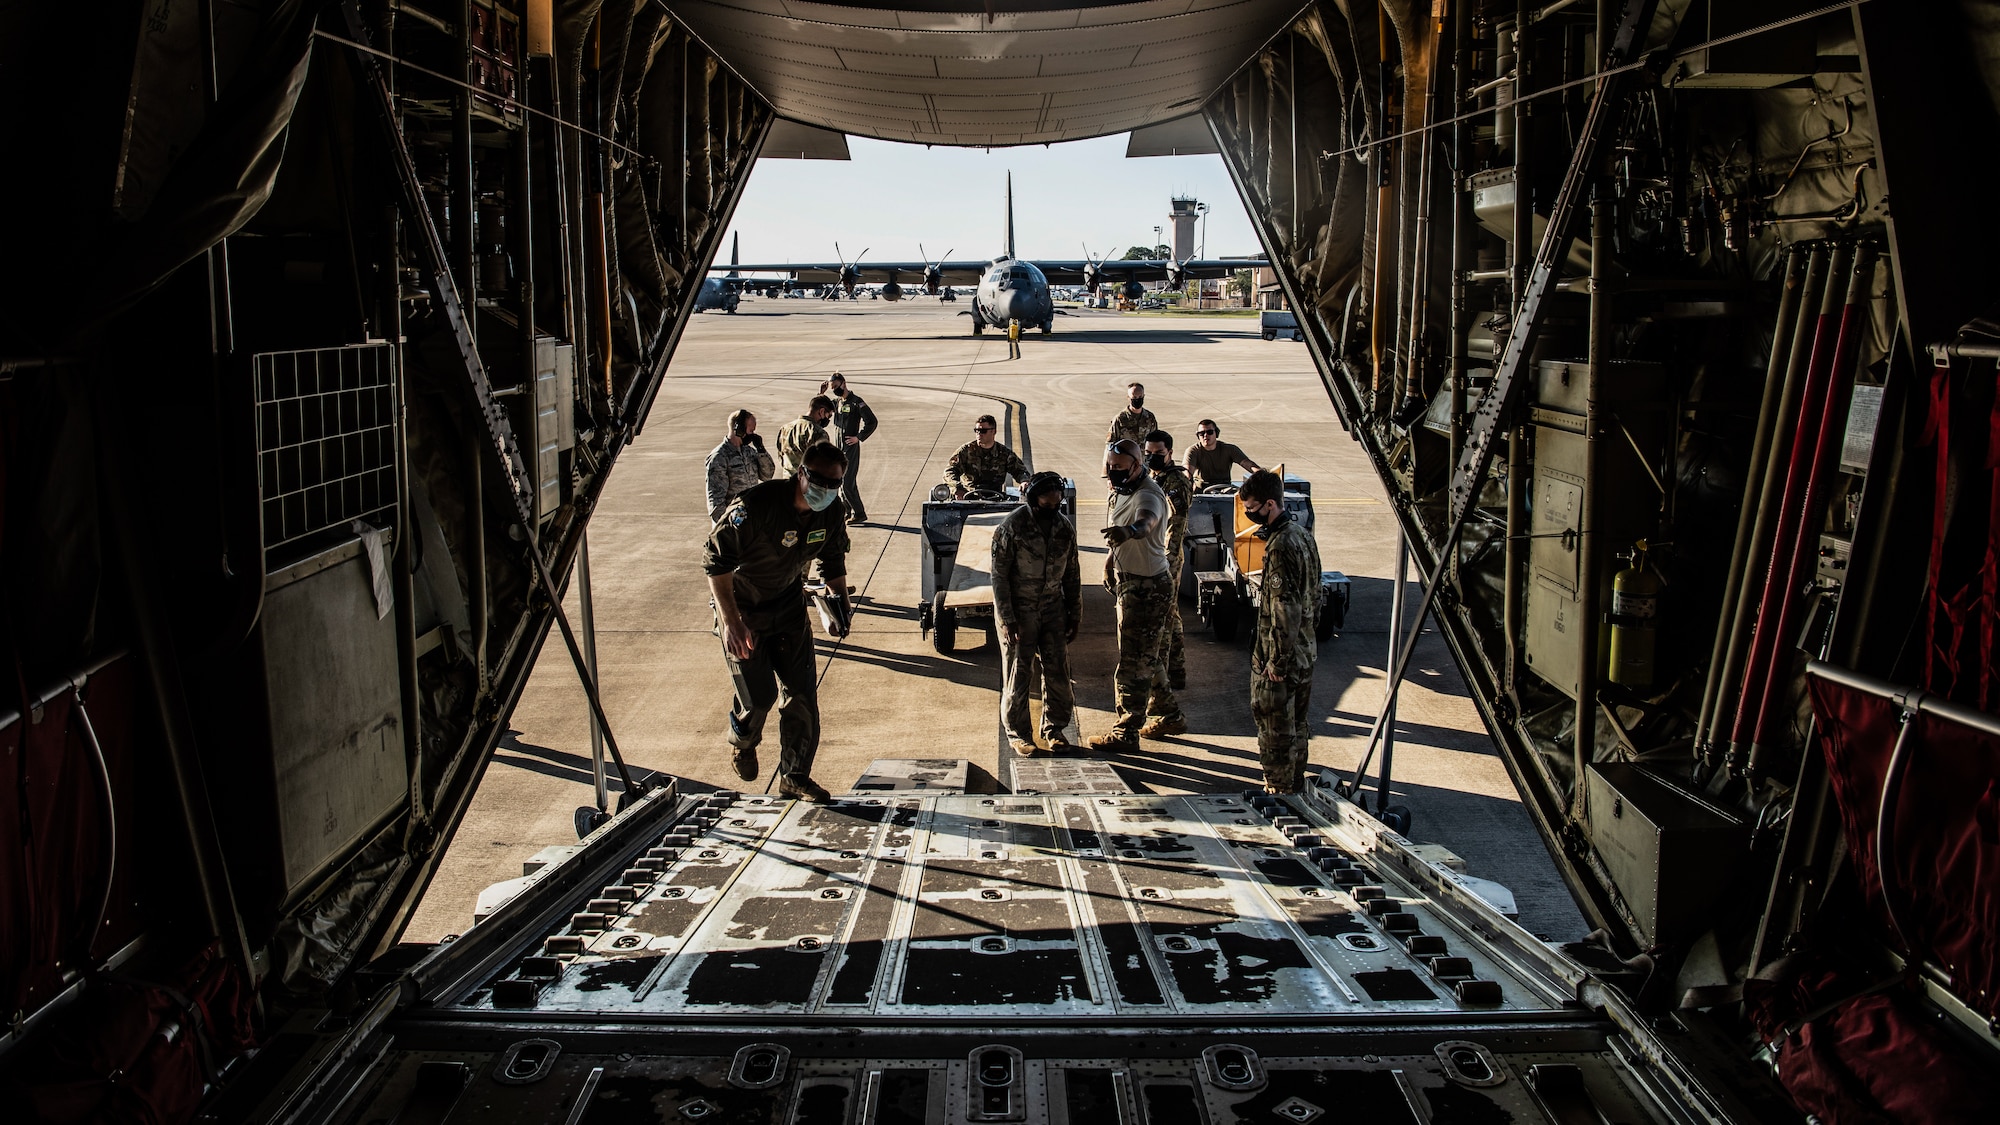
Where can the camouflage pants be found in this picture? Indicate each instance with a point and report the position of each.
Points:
(1043, 639)
(1173, 652)
(1279, 707)
(1145, 606)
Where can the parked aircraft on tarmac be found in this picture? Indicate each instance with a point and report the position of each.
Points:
(725, 292)
(1007, 287)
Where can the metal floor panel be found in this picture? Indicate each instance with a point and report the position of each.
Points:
(1047, 908)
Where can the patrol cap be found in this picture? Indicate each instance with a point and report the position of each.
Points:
(1041, 482)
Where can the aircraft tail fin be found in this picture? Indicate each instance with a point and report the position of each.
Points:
(1010, 214)
(735, 243)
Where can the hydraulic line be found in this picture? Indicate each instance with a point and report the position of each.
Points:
(1770, 725)
(1793, 273)
(1764, 642)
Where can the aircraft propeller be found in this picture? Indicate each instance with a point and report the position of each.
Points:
(850, 272)
(1092, 274)
(933, 271)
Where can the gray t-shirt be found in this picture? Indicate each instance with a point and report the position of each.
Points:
(1145, 556)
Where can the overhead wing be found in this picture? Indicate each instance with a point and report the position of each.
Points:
(800, 271)
(957, 273)
(1071, 271)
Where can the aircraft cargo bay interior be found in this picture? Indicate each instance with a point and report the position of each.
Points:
(1502, 631)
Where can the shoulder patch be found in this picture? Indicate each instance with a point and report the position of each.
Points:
(791, 539)
(736, 516)
(815, 536)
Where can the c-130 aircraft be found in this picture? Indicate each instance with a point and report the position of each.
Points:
(1008, 288)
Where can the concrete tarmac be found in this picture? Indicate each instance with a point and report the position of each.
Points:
(884, 693)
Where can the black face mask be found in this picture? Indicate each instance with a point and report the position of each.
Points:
(1257, 517)
(1157, 462)
(1118, 477)
(1139, 402)
(1046, 515)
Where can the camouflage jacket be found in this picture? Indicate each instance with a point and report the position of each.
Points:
(799, 435)
(1180, 498)
(1035, 573)
(1130, 425)
(973, 467)
(732, 469)
(1288, 601)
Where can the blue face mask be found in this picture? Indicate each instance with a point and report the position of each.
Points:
(820, 499)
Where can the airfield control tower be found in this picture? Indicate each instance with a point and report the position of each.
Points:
(1182, 213)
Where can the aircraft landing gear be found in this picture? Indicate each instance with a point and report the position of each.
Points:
(978, 325)
(1048, 327)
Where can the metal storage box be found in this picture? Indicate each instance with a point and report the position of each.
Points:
(1668, 851)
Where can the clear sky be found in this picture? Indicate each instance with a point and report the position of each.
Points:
(891, 197)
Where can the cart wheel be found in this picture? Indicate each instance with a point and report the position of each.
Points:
(1270, 334)
(1223, 614)
(1298, 335)
(944, 625)
(1397, 818)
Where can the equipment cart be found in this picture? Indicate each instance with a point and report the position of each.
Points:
(1224, 560)
(957, 554)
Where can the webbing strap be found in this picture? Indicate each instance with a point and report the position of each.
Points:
(1937, 430)
(1989, 568)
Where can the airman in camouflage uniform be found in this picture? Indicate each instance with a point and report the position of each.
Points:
(1137, 570)
(1281, 659)
(1135, 421)
(983, 463)
(737, 465)
(1180, 498)
(1037, 598)
(802, 433)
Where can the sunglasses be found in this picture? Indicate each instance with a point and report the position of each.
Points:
(982, 429)
(821, 480)
(1207, 433)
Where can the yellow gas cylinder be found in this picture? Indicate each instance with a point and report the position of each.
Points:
(1635, 603)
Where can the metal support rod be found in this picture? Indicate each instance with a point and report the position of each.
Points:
(1397, 597)
(1384, 193)
(1461, 226)
(1765, 640)
(1514, 559)
(1964, 351)
(475, 555)
(1913, 700)
(1590, 545)
(1792, 270)
(1824, 462)
(1520, 258)
(403, 567)
(1420, 272)
(464, 202)
(1739, 615)
(590, 661)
